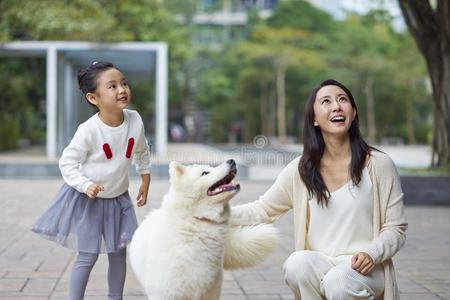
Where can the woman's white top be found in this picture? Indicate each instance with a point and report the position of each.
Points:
(344, 227)
(102, 154)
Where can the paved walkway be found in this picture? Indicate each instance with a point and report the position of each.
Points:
(33, 268)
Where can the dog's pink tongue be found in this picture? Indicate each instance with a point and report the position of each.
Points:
(216, 191)
(221, 189)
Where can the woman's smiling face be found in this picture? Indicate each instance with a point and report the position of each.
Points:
(333, 111)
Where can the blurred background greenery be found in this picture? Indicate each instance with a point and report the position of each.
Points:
(229, 82)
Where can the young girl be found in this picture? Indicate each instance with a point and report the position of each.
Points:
(92, 213)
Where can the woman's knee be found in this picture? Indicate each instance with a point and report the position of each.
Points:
(299, 266)
(342, 282)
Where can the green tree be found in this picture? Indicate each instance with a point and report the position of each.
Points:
(409, 77)
(20, 101)
(429, 24)
(56, 20)
(99, 21)
(300, 14)
(375, 60)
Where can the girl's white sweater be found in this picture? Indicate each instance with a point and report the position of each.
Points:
(102, 154)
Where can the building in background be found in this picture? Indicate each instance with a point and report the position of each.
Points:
(219, 22)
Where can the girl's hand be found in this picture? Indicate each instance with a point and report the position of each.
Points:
(143, 190)
(363, 263)
(93, 190)
(142, 195)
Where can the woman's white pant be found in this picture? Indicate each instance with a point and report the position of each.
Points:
(312, 275)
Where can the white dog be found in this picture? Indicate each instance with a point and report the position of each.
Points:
(179, 250)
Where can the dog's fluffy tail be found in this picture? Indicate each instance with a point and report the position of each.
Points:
(246, 246)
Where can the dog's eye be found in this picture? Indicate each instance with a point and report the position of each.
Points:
(205, 173)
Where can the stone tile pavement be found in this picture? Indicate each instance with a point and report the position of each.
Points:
(34, 268)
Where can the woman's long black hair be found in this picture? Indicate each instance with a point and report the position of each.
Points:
(314, 146)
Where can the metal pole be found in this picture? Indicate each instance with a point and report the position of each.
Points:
(161, 100)
(52, 82)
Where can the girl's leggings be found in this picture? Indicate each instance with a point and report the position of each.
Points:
(82, 268)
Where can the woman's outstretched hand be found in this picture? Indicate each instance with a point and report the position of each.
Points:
(362, 263)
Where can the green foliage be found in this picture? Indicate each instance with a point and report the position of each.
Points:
(141, 91)
(236, 81)
(20, 101)
(9, 131)
(367, 49)
(56, 20)
(300, 14)
(88, 20)
(311, 46)
(431, 171)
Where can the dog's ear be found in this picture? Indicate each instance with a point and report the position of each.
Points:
(175, 169)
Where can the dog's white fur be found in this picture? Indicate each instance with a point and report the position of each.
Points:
(179, 250)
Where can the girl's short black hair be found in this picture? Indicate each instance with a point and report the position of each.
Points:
(87, 78)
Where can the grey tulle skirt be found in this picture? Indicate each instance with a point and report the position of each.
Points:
(88, 225)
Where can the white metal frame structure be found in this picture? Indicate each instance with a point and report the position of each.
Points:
(61, 59)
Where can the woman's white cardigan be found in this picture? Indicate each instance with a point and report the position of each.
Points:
(389, 221)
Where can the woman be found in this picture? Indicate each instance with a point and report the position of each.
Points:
(348, 206)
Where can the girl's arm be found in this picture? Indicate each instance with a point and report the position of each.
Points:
(72, 158)
(141, 160)
(141, 157)
(270, 206)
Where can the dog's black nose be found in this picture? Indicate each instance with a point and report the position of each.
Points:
(231, 162)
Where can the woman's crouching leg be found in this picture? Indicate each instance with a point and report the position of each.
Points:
(344, 283)
(303, 273)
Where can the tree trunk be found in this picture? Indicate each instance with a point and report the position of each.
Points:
(264, 108)
(430, 28)
(410, 116)
(370, 102)
(441, 94)
(281, 100)
(271, 120)
(267, 109)
(187, 103)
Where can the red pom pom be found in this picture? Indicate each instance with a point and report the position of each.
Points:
(130, 147)
(107, 151)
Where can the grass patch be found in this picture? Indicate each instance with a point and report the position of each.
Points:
(431, 171)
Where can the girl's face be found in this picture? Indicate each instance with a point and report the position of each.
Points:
(333, 111)
(112, 94)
